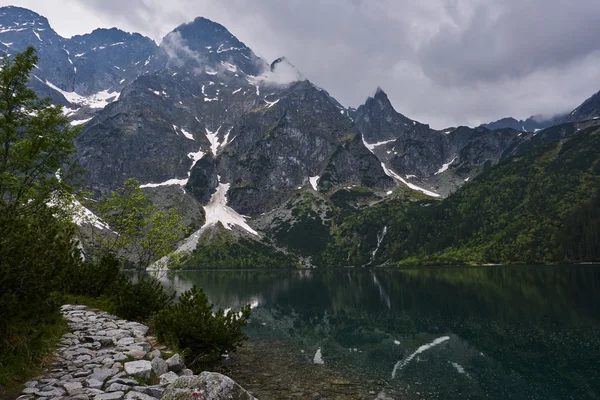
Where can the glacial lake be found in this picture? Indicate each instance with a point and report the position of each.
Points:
(523, 332)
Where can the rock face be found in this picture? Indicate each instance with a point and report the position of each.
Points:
(89, 362)
(590, 109)
(207, 385)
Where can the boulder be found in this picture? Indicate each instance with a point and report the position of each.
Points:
(141, 368)
(168, 378)
(109, 396)
(211, 385)
(159, 366)
(175, 363)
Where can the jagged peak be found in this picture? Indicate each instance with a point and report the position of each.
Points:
(379, 92)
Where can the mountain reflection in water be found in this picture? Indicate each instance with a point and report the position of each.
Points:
(526, 332)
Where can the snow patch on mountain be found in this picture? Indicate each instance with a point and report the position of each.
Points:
(213, 138)
(445, 167)
(394, 175)
(372, 147)
(170, 182)
(314, 181)
(80, 122)
(217, 211)
(97, 100)
(271, 103)
(184, 132)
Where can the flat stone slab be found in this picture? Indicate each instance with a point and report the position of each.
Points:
(141, 368)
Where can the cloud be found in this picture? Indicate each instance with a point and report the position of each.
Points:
(442, 62)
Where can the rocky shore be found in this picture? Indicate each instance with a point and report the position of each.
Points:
(107, 358)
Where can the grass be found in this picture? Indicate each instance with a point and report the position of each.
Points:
(27, 351)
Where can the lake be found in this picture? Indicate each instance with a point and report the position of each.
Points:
(524, 332)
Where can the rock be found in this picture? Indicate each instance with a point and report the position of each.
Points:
(73, 388)
(213, 386)
(103, 340)
(80, 397)
(145, 346)
(139, 396)
(119, 357)
(167, 378)
(29, 391)
(122, 381)
(51, 392)
(125, 341)
(31, 384)
(81, 374)
(117, 387)
(93, 383)
(141, 368)
(175, 363)
(137, 354)
(159, 366)
(118, 333)
(109, 396)
(100, 374)
(153, 354)
(154, 391)
(186, 372)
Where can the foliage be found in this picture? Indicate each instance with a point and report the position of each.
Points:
(36, 245)
(536, 208)
(144, 233)
(32, 341)
(36, 140)
(224, 250)
(140, 300)
(191, 327)
(540, 207)
(115, 292)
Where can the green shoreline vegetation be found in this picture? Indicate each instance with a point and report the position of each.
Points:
(42, 265)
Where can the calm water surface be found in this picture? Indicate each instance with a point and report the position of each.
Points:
(436, 333)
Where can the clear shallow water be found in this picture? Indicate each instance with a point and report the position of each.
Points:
(524, 332)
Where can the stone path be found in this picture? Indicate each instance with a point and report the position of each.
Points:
(106, 358)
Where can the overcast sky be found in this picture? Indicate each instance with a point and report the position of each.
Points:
(442, 62)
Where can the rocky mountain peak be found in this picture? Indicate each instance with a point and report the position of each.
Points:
(203, 43)
(589, 110)
(21, 18)
(378, 121)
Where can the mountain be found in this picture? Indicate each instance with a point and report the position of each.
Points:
(590, 109)
(531, 124)
(539, 207)
(83, 73)
(254, 155)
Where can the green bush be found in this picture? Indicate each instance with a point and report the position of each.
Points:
(140, 300)
(93, 279)
(191, 327)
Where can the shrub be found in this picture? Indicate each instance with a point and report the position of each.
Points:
(103, 285)
(93, 279)
(140, 300)
(191, 327)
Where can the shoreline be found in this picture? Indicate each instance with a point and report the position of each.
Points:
(104, 357)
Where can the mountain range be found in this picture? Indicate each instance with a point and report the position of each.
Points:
(251, 151)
